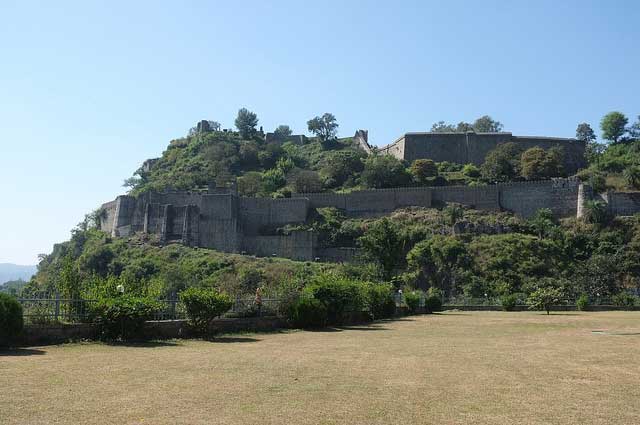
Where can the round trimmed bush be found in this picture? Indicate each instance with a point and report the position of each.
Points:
(203, 306)
(432, 303)
(11, 321)
(308, 313)
(123, 317)
(508, 302)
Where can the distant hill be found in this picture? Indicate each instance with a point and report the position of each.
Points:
(15, 272)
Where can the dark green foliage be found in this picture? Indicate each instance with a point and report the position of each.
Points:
(632, 176)
(613, 126)
(308, 313)
(123, 317)
(595, 212)
(325, 127)
(379, 300)
(432, 304)
(486, 124)
(508, 302)
(624, 299)
(342, 167)
(585, 133)
(383, 171)
(282, 132)
(339, 295)
(471, 171)
(203, 305)
(383, 244)
(537, 164)
(11, 321)
(423, 169)
(246, 123)
(412, 298)
(502, 163)
(582, 303)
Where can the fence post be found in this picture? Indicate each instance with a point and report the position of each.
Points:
(57, 307)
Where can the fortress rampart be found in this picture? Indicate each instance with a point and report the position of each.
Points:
(470, 147)
(229, 223)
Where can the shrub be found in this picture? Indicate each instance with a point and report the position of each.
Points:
(544, 298)
(412, 299)
(307, 313)
(123, 317)
(11, 321)
(203, 305)
(582, 303)
(380, 302)
(508, 302)
(338, 294)
(433, 302)
(624, 300)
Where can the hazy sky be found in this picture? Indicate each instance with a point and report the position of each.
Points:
(88, 91)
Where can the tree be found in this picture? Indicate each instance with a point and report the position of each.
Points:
(486, 124)
(282, 132)
(341, 166)
(536, 163)
(544, 298)
(613, 126)
(442, 127)
(383, 244)
(634, 130)
(453, 213)
(632, 176)
(595, 212)
(324, 127)
(585, 133)
(502, 163)
(463, 127)
(382, 171)
(471, 171)
(246, 123)
(306, 181)
(422, 169)
(250, 184)
(542, 222)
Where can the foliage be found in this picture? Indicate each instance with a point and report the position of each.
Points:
(383, 171)
(544, 298)
(11, 321)
(338, 294)
(432, 304)
(342, 167)
(306, 181)
(585, 133)
(582, 303)
(308, 313)
(486, 124)
(613, 126)
(471, 171)
(325, 127)
(439, 262)
(123, 317)
(624, 299)
(282, 132)
(246, 123)
(509, 302)
(502, 163)
(203, 305)
(542, 222)
(536, 163)
(632, 176)
(383, 244)
(595, 212)
(379, 300)
(412, 298)
(422, 169)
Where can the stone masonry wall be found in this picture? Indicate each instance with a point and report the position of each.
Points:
(623, 203)
(525, 198)
(297, 246)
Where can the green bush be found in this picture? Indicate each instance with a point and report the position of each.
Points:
(508, 302)
(338, 294)
(307, 313)
(123, 317)
(380, 302)
(203, 305)
(11, 321)
(412, 299)
(582, 303)
(624, 299)
(432, 303)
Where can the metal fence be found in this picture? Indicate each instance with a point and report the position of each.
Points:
(50, 309)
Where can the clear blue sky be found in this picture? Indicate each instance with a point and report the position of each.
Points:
(88, 91)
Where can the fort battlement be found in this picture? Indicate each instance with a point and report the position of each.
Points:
(472, 148)
(231, 223)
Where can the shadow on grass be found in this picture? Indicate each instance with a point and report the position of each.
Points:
(143, 344)
(17, 352)
(348, 328)
(231, 339)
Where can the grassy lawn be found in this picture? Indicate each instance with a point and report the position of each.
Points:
(457, 367)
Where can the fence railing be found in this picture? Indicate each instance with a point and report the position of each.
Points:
(50, 309)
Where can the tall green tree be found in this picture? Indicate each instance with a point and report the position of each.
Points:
(384, 171)
(486, 124)
(502, 163)
(325, 127)
(282, 131)
(613, 126)
(585, 133)
(536, 163)
(383, 244)
(423, 169)
(246, 123)
(442, 127)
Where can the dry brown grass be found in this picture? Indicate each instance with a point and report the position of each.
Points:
(498, 368)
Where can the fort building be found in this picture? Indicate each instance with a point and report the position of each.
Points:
(472, 148)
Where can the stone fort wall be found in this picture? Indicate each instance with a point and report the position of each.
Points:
(464, 148)
(229, 223)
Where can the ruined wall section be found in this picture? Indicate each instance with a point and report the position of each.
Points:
(256, 213)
